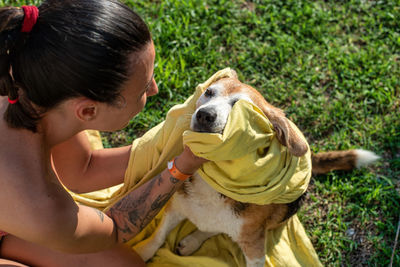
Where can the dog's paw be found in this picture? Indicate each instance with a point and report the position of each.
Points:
(188, 245)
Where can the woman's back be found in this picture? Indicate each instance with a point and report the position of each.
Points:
(29, 186)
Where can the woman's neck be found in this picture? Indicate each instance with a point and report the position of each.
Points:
(57, 126)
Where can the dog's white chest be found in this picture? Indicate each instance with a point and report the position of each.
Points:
(207, 209)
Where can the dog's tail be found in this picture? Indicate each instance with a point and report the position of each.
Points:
(341, 160)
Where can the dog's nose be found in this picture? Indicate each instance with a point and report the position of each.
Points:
(205, 117)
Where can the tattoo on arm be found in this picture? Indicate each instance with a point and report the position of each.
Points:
(132, 213)
(174, 180)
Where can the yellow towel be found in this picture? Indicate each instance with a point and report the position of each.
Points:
(247, 162)
(285, 246)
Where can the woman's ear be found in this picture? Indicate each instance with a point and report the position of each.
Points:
(86, 109)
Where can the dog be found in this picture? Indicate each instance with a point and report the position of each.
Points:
(214, 213)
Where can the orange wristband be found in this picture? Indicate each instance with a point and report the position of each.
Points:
(173, 170)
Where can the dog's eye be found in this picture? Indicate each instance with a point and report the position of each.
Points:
(209, 92)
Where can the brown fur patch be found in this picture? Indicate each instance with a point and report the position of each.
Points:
(253, 244)
(240, 207)
(334, 160)
(258, 219)
(237, 207)
(293, 207)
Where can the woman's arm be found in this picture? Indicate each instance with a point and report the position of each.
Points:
(132, 213)
(46, 214)
(82, 169)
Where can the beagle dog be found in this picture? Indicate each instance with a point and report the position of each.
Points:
(214, 213)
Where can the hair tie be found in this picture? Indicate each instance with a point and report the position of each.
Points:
(12, 102)
(30, 18)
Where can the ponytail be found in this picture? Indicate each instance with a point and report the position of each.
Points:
(11, 19)
(20, 113)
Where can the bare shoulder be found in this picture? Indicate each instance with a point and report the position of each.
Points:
(30, 193)
(21, 156)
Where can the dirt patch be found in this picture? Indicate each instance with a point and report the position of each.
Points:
(249, 6)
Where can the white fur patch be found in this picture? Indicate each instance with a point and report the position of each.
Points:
(218, 105)
(365, 157)
(207, 209)
(216, 88)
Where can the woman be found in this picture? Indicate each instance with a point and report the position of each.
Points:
(68, 66)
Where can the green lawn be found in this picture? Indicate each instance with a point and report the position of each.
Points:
(333, 66)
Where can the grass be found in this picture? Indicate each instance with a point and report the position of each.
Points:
(333, 66)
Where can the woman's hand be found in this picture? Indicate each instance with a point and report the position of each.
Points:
(136, 209)
(187, 162)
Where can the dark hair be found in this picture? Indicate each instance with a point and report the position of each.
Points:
(76, 48)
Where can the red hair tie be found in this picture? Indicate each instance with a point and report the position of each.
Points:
(31, 15)
(12, 102)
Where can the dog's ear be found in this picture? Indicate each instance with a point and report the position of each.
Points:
(285, 134)
(234, 73)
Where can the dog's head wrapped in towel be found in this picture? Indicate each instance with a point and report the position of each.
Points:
(248, 163)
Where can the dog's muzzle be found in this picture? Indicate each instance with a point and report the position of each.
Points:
(206, 117)
(210, 118)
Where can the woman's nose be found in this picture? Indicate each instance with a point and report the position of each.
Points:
(153, 90)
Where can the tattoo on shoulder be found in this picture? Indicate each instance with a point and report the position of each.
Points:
(101, 215)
